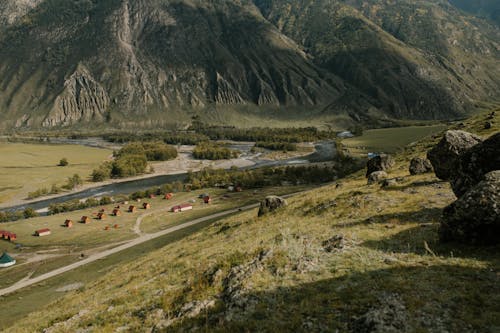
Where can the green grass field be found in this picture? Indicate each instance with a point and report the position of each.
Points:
(26, 168)
(388, 140)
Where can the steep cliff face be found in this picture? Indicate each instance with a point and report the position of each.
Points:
(83, 99)
(68, 62)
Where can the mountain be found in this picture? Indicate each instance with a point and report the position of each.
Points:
(143, 64)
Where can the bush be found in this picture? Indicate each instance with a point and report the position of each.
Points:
(29, 213)
(63, 162)
(213, 151)
(73, 182)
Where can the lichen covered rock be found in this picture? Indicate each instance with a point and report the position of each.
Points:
(419, 166)
(383, 162)
(475, 217)
(270, 204)
(445, 154)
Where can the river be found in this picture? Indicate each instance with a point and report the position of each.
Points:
(324, 151)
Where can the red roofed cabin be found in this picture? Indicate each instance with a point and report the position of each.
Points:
(132, 209)
(181, 208)
(117, 212)
(8, 235)
(85, 220)
(68, 224)
(101, 216)
(42, 232)
(169, 196)
(152, 196)
(207, 199)
(146, 205)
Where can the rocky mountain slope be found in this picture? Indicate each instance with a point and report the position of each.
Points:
(126, 63)
(347, 257)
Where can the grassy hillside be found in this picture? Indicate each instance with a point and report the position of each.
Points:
(334, 258)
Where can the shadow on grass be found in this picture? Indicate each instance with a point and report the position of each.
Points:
(435, 298)
(421, 183)
(414, 240)
(424, 216)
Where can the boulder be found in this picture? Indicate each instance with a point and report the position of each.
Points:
(389, 182)
(472, 165)
(488, 125)
(475, 217)
(382, 162)
(419, 166)
(445, 154)
(376, 177)
(270, 204)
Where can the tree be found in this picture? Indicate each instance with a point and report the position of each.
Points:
(73, 182)
(63, 162)
(29, 213)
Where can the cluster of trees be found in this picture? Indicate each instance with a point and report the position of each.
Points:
(295, 135)
(173, 138)
(17, 215)
(213, 151)
(132, 160)
(269, 176)
(73, 205)
(273, 145)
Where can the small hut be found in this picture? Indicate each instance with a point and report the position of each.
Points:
(12, 237)
(106, 228)
(116, 226)
(85, 220)
(152, 196)
(169, 196)
(181, 208)
(42, 232)
(117, 212)
(146, 205)
(68, 224)
(101, 216)
(132, 209)
(6, 260)
(207, 199)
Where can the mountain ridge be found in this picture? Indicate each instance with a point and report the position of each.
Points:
(138, 63)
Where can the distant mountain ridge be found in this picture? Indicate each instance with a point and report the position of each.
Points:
(125, 63)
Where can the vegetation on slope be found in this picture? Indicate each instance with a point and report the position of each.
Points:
(335, 258)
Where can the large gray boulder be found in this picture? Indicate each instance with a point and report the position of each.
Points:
(270, 204)
(445, 154)
(473, 164)
(419, 166)
(382, 162)
(475, 217)
(376, 177)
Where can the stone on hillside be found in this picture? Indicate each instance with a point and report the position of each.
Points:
(376, 177)
(445, 154)
(472, 165)
(389, 182)
(475, 217)
(488, 125)
(419, 166)
(381, 162)
(270, 204)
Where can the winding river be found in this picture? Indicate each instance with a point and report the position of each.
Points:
(324, 151)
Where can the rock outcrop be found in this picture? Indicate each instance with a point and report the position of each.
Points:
(475, 217)
(83, 99)
(382, 162)
(419, 166)
(473, 164)
(445, 154)
(270, 204)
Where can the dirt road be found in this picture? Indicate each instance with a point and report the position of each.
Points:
(142, 239)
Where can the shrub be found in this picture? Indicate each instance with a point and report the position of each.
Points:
(63, 162)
